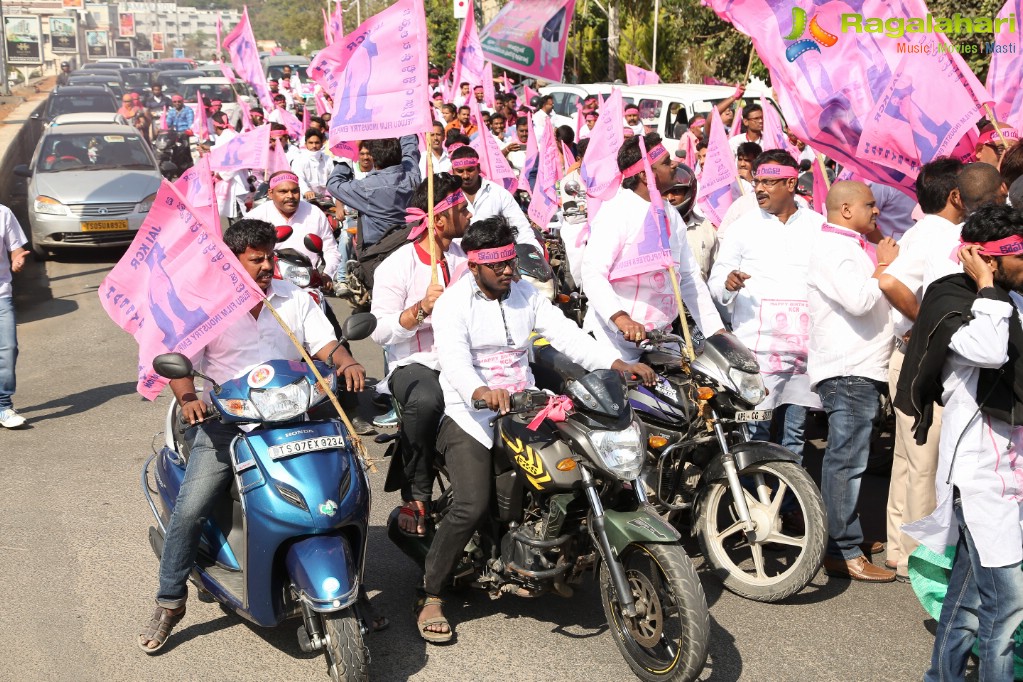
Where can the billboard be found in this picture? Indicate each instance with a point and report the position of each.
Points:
(97, 43)
(530, 37)
(157, 42)
(64, 35)
(122, 47)
(126, 24)
(24, 40)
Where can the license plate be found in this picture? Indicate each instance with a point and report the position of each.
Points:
(104, 225)
(299, 447)
(754, 415)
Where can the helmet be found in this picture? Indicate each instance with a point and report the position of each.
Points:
(685, 182)
(535, 102)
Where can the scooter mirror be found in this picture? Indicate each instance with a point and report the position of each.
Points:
(359, 326)
(313, 242)
(572, 188)
(173, 366)
(284, 233)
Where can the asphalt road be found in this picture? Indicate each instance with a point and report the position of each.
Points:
(78, 576)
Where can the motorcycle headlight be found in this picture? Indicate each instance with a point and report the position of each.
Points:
(750, 387)
(281, 404)
(296, 274)
(621, 452)
(49, 206)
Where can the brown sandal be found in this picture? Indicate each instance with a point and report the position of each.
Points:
(159, 629)
(429, 635)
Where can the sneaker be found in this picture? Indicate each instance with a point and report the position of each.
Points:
(9, 419)
(386, 421)
(361, 426)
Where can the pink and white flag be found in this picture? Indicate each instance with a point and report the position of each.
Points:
(1003, 75)
(719, 180)
(384, 86)
(196, 186)
(289, 121)
(246, 115)
(532, 157)
(774, 136)
(278, 159)
(493, 164)
(736, 122)
(599, 170)
(488, 85)
(469, 59)
(244, 55)
(247, 150)
(637, 76)
(328, 36)
(544, 203)
(820, 185)
(652, 251)
(177, 288)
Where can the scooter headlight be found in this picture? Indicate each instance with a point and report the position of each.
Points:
(621, 452)
(750, 387)
(296, 274)
(281, 404)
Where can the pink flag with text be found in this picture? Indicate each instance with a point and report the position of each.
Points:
(384, 86)
(489, 96)
(544, 203)
(247, 150)
(469, 60)
(1003, 75)
(177, 288)
(637, 76)
(652, 251)
(196, 186)
(244, 55)
(337, 24)
(530, 37)
(493, 164)
(599, 170)
(719, 180)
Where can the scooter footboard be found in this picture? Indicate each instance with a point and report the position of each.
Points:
(324, 572)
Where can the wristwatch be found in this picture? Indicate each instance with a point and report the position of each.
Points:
(420, 313)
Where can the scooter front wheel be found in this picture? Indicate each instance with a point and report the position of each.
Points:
(347, 656)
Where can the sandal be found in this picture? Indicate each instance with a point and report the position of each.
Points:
(410, 511)
(159, 629)
(429, 635)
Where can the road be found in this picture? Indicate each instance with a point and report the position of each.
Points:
(79, 576)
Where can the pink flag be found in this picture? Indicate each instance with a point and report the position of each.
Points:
(278, 159)
(321, 105)
(241, 47)
(196, 186)
(532, 156)
(337, 24)
(719, 181)
(306, 120)
(227, 71)
(328, 37)
(469, 60)
(530, 37)
(163, 119)
(488, 85)
(689, 148)
(820, 185)
(177, 288)
(637, 76)
(544, 203)
(218, 46)
(493, 164)
(289, 121)
(247, 150)
(774, 136)
(246, 115)
(599, 171)
(652, 251)
(202, 127)
(385, 92)
(1003, 75)
(508, 85)
(736, 122)
(529, 93)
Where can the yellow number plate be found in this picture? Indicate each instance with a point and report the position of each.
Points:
(104, 225)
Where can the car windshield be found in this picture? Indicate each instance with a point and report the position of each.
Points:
(277, 71)
(93, 151)
(70, 104)
(137, 79)
(172, 82)
(210, 92)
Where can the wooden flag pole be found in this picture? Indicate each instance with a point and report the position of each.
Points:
(824, 171)
(994, 122)
(689, 353)
(430, 236)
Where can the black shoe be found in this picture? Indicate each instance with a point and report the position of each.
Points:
(361, 426)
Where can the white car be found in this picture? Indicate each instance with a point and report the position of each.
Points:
(214, 87)
(86, 118)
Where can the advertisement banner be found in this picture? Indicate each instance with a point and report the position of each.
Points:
(157, 42)
(144, 55)
(24, 40)
(97, 43)
(530, 36)
(122, 47)
(126, 24)
(64, 35)
(73, 4)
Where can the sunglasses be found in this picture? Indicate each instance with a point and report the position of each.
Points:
(500, 266)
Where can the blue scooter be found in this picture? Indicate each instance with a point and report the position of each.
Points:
(290, 539)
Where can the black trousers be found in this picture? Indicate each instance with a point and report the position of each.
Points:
(469, 469)
(417, 390)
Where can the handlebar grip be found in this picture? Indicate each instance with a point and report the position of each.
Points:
(479, 404)
(212, 414)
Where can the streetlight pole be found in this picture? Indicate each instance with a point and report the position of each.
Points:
(6, 87)
(657, 14)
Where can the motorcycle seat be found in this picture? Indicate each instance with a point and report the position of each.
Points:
(663, 362)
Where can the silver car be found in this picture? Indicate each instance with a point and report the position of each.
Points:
(91, 185)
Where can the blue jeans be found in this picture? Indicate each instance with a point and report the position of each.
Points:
(793, 426)
(852, 404)
(207, 476)
(344, 241)
(8, 352)
(981, 602)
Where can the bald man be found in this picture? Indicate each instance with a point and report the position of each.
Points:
(981, 184)
(850, 345)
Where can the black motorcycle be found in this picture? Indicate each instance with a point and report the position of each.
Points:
(568, 499)
(174, 153)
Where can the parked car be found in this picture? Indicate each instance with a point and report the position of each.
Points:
(90, 185)
(68, 99)
(111, 80)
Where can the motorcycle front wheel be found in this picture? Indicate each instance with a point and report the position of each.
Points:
(782, 559)
(347, 656)
(667, 639)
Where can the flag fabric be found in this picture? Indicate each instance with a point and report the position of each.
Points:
(328, 37)
(719, 180)
(163, 118)
(246, 115)
(1003, 75)
(246, 150)
(528, 94)
(337, 24)
(278, 159)
(227, 72)
(532, 156)
(544, 203)
(469, 60)
(637, 76)
(530, 37)
(306, 120)
(289, 121)
(820, 185)
(177, 288)
(736, 122)
(774, 136)
(196, 187)
(508, 86)
(244, 55)
(489, 96)
(493, 164)
(218, 29)
(652, 251)
(599, 171)
(202, 126)
(384, 88)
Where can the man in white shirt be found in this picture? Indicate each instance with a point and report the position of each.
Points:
(243, 345)
(965, 353)
(632, 121)
(753, 121)
(435, 140)
(759, 277)
(487, 318)
(542, 113)
(286, 207)
(622, 308)
(517, 154)
(404, 295)
(12, 241)
(850, 343)
(488, 199)
(462, 98)
(313, 167)
(498, 128)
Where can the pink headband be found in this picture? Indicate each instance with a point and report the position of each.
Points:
(991, 136)
(418, 215)
(654, 155)
(278, 133)
(631, 107)
(283, 177)
(776, 170)
(1010, 246)
(496, 255)
(454, 146)
(466, 162)
(697, 122)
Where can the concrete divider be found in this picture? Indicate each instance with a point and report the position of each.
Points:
(19, 135)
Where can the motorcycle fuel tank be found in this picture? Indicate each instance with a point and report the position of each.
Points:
(537, 454)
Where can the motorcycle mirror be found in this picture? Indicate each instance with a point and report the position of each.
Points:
(572, 188)
(284, 233)
(313, 242)
(172, 366)
(359, 326)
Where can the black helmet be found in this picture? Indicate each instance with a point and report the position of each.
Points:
(535, 102)
(685, 182)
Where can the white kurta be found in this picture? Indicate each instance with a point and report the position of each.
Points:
(770, 314)
(307, 219)
(983, 454)
(492, 200)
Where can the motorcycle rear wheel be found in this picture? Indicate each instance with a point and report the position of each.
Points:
(667, 640)
(347, 655)
(778, 563)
